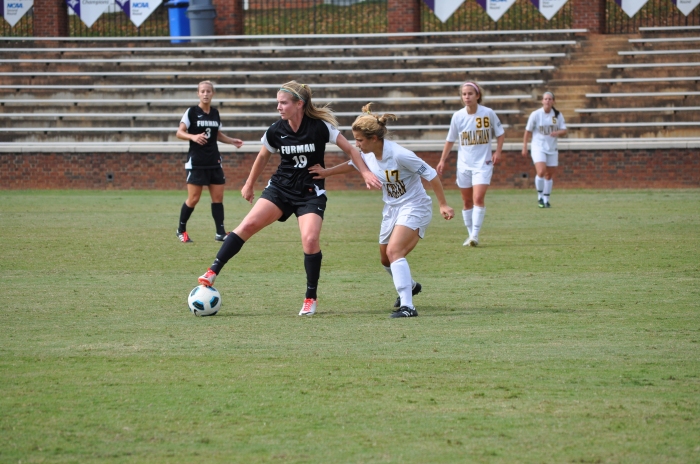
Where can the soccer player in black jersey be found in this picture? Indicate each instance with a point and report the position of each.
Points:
(201, 126)
(300, 137)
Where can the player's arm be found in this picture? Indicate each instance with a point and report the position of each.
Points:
(558, 133)
(323, 173)
(526, 139)
(182, 134)
(260, 162)
(223, 138)
(445, 154)
(445, 210)
(370, 179)
(499, 146)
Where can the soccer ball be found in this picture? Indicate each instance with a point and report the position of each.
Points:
(204, 301)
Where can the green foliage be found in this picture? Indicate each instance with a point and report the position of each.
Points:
(571, 334)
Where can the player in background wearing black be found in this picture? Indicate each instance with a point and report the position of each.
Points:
(300, 137)
(201, 126)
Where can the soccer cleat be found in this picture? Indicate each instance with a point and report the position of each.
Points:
(471, 242)
(416, 290)
(208, 278)
(547, 205)
(220, 237)
(405, 311)
(540, 203)
(308, 308)
(183, 237)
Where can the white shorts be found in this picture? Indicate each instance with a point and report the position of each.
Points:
(542, 157)
(470, 178)
(414, 215)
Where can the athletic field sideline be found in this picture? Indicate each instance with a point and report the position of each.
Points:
(571, 334)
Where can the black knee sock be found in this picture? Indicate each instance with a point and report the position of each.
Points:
(312, 264)
(217, 212)
(185, 213)
(228, 250)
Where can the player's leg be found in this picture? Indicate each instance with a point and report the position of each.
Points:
(541, 169)
(416, 287)
(217, 210)
(551, 169)
(464, 182)
(402, 241)
(194, 192)
(263, 213)
(479, 212)
(310, 228)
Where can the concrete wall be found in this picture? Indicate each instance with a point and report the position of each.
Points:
(639, 168)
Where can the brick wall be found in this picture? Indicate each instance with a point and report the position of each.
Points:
(589, 14)
(50, 18)
(673, 168)
(229, 17)
(403, 15)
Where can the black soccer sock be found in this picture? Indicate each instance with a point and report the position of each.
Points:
(231, 246)
(312, 264)
(217, 212)
(185, 213)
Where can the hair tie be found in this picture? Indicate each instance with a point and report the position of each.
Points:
(282, 89)
(473, 86)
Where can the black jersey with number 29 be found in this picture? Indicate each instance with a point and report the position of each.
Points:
(205, 156)
(299, 150)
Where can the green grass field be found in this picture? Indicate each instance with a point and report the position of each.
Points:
(571, 336)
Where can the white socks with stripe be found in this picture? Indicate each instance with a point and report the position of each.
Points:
(467, 215)
(539, 186)
(477, 220)
(402, 281)
(547, 189)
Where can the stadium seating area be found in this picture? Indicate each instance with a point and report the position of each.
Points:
(125, 92)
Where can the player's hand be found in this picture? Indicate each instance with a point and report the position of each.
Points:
(318, 171)
(440, 168)
(447, 212)
(496, 157)
(524, 152)
(200, 139)
(371, 181)
(238, 143)
(248, 193)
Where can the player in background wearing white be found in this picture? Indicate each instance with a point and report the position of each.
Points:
(300, 137)
(408, 209)
(201, 126)
(545, 125)
(474, 126)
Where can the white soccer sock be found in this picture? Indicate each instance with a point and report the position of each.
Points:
(539, 185)
(402, 281)
(467, 215)
(547, 189)
(477, 220)
(388, 269)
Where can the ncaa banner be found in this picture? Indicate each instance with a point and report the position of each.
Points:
(548, 8)
(686, 6)
(88, 10)
(495, 8)
(13, 10)
(631, 6)
(443, 9)
(138, 10)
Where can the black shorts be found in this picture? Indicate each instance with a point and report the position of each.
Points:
(299, 206)
(206, 176)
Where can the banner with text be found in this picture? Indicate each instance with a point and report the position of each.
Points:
(89, 10)
(686, 6)
(138, 10)
(13, 10)
(548, 8)
(443, 9)
(495, 8)
(631, 6)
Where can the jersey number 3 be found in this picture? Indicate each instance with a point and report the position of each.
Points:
(300, 161)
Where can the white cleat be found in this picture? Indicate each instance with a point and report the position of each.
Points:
(470, 242)
(308, 308)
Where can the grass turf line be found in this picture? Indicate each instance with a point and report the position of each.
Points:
(569, 335)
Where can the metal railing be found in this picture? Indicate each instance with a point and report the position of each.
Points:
(521, 16)
(654, 13)
(315, 17)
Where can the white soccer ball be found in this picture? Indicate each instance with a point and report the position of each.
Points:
(204, 301)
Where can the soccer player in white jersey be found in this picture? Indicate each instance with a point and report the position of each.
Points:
(545, 125)
(408, 209)
(474, 127)
(300, 137)
(201, 126)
